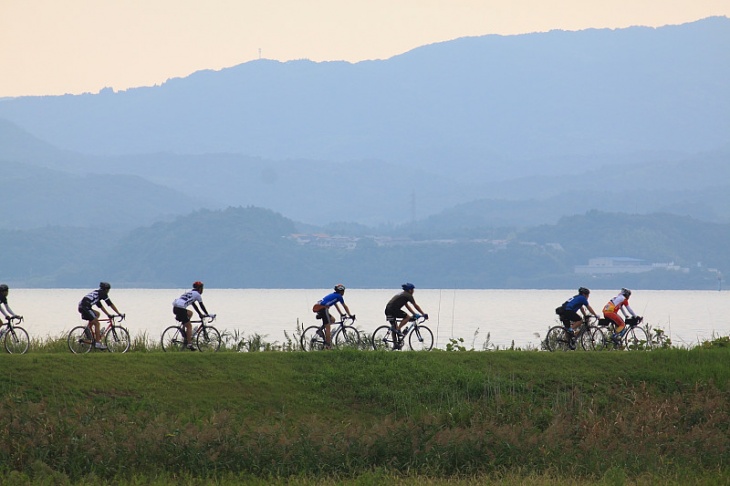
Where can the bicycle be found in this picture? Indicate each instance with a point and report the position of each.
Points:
(387, 337)
(633, 337)
(115, 337)
(15, 338)
(342, 333)
(205, 337)
(590, 336)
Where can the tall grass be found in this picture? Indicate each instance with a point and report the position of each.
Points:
(344, 415)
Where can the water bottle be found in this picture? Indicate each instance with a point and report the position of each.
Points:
(406, 329)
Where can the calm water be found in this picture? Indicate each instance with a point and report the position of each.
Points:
(522, 316)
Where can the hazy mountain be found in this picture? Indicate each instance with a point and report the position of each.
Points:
(248, 247)
(481, 108)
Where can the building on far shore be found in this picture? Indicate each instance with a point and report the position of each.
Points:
(613, 265)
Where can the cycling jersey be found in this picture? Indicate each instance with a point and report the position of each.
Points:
(575, 303)
(188, 298)
(618, 302)
(331, 299)
(398, 301)
(94, 298)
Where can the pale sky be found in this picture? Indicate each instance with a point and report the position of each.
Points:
(76, 46)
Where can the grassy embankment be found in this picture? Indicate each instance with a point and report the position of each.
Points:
(367, 417)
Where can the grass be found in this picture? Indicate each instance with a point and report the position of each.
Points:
(362, 417)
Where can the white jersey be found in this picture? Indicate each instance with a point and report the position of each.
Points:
(189, 297)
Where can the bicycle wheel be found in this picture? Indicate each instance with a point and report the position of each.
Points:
(347, 337)
(420, 339)
(172, 340)
(601, 339)
(313, 339)
(208, 339)
(17, 341)
(80, 340)
(558, 340)
(383, 339)
(117, 340)
(636, 339)
(590, 339)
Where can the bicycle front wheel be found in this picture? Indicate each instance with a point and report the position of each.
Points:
(347, 337)
(420, 339)
(208, 339)
(80, 340)
(558, 340)
(117, 340)
(591, 338)
(17, 341)
(636, 339)
(383, 339)
(313, 339)
(172, 340)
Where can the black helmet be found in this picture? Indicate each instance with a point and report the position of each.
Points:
(198, 285)
(626, 292)
(584, 291)
(105, 285)
(408, 286)
(339, 288)
(4, 288)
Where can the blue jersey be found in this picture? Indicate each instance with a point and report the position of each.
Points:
(331, 299)
(575, 303)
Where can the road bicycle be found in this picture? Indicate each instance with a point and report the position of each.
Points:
(114, 337)
(205, 337)
(343, 334)
(588, 335)
(633, 337)
(15, 338)
(387, 337)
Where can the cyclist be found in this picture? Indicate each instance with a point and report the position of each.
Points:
(322, 308)
(7, 311)
(183, 314)
(95, 298)
(568, 312)
(394, 308)
(611, 311)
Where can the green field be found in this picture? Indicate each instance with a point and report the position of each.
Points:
(363, 417)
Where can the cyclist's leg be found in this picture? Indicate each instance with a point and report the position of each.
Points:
(327, 320)
(618, 323)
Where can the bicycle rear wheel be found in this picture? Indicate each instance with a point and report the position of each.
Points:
(117, 340)
(17, 341)
(383, 339)
(208, 339)
(172, 340)
(313, 339)
(80, 340)
(557, 339)
(347, 337)
(420, 339)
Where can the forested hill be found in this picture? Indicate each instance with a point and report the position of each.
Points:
(253, 247)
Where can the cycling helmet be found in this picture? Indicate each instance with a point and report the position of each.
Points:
(4, 288)
(104, 285)
(408, 286)
(626, 292)
(339, 288)
(584, 291)
(198, 285)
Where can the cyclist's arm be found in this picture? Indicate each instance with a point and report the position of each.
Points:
(5, 313)
(347, 309)
(200, 314)
(595, 314)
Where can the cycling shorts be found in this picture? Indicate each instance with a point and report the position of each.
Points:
(325, 315)
(181, 314)
(87, 313)
(397, 313)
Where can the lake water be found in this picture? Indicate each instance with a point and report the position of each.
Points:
(519, 316)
